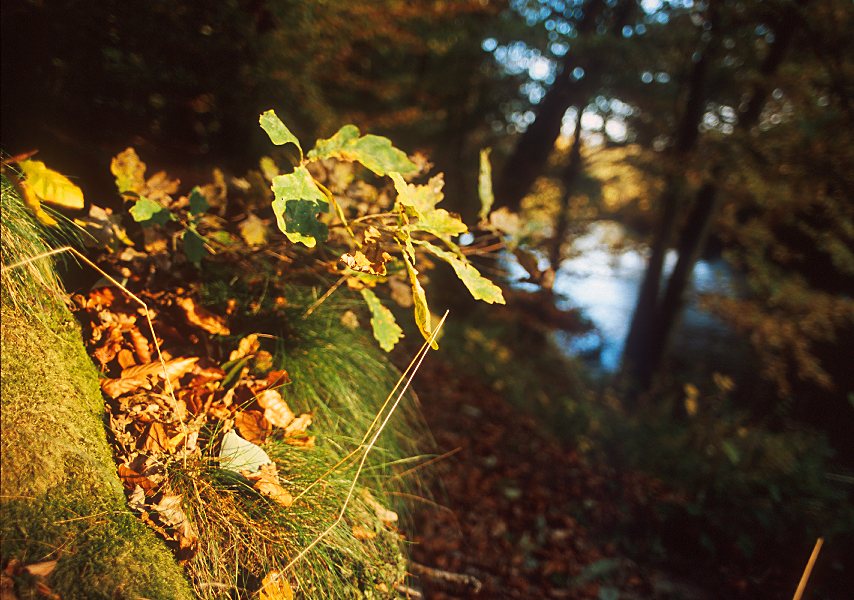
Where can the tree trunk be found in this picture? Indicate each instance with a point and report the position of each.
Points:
(569, 179)
(655, 317)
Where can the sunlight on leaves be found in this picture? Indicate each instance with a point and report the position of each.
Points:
(278, 132)
(298, 201)
(484, 185)
(385, 328)
(375, 152)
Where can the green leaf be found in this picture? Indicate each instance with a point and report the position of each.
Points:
(194, 246)
(198, 202)
(484, 184)
(375, 152)
(441, 223)
(279, 134)
(148, 212)
(479, 286)
(298, 201)
(422, 312)
(51, 186)
(386, 330)
(421, 198)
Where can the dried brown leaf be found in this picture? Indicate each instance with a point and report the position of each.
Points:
(248, 345)
(140, 345)
(298, 425)
(41, 569)
(117, 387)
(266, 481)
(125, 358)
(201, 317)
(252, 426)
(363, 533)
(131, 479)
(155, 438)
(276, 410)
(383, 514)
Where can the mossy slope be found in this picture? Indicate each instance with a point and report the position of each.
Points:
(61, 498)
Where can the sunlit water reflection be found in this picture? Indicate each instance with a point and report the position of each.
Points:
(604, 283)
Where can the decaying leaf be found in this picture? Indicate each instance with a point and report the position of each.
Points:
(117, 387)
(275, 586)
(41, 569)
(253, 230)
(480, 287)
(298, 425)
(350, 320)
(129, 171)
(383, 514)
(363, 533)
(276, 410)
(252, 426)
(247, 346)
(266, 481)
(202, 317)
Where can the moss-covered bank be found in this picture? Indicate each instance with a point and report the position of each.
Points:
(61, 498)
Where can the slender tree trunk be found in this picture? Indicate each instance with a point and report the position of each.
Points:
(535, 145)
(569, 179)
(636, 360)
(648, 340)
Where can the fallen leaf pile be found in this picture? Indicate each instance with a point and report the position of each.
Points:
(166, 411)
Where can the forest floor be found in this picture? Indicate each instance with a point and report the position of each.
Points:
(523, 513)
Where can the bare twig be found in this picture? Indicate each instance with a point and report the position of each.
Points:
(323, 298)
(808, 569)
(456, 580)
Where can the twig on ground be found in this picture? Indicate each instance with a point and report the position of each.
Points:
(455, 580)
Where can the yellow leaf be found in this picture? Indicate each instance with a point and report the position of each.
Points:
(51, 186)
(275, 586)
(253, 230)
(129, 171)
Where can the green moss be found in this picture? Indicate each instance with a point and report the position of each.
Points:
(60, 494)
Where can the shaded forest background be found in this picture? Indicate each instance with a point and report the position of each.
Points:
(715, 129)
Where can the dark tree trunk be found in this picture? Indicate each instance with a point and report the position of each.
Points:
(656, 314)
(569, 178)
(531, 152)
(637, 366)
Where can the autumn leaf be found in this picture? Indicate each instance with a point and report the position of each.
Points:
(247, 346)
(266, 481)
(275, 586)
(385, 328)
(239, 455)
(51, 186)
(484, 185)
(253, 230)
(479, 286)
(202, 317)
(117, 387)
(419, 298)
(252, 426)
(148, 212)
(175, 368)
(363, 533)
(383, 514)
(129, 171)
(375, 152)
(276, 410)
